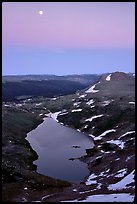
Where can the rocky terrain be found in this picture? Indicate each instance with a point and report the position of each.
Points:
(106, 111)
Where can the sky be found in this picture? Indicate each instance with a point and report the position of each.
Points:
(68, 38)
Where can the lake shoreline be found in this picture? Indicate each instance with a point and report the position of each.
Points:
(70, 143)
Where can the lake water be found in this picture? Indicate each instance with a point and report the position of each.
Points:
(54, 143)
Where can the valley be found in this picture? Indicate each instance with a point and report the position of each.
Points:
(105, 111)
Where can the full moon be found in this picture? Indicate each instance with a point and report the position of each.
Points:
(40, 12)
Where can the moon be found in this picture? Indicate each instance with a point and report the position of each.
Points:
(40, 12)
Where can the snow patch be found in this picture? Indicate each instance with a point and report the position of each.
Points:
(116, 197)
(92, 106)
(123, 183)
(7, 105)
(75, 190)
(76, 103)
(82, 192)
(121, 173)
(103, 134)
(93, 117)
(47, 196)
(83, 96)
(132, 102)
(91, 135)
(102, 174)
(90, 181)
(128, 158)
(85, 126)
(117, 142)
(63, 113)
(55, 115)
(76, 110)
(91, 89)
(90, 102)
(19, 105)
(53, 99)
(106, 103)
(130, 132)
(99, 186)
(38, 104)
(108, 77)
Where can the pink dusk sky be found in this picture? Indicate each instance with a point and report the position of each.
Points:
(65, 25)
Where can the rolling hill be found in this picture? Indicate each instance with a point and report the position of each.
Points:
(14, 87)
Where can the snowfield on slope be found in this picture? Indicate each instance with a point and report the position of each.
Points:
(107, 102)
(90, 181)
(117, 197)
(103, 134)
(76, 110)
(91, 89)
(83, 96)
(132, 102)
(123, 183)
(117, 142)
(90, 102)
(108, 77)
(130, 132)
(121, 172)
(76, 103)
(93, 117)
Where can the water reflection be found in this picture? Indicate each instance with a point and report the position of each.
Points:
(56, 146)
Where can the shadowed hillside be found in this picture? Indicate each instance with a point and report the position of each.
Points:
(48, 88)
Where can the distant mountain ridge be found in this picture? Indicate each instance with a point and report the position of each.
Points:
(83, 78)
(44, 85)
(52, 85)
(47, 88)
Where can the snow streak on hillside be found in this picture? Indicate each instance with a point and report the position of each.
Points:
(91, 89)
(118, 197)
(108, 77)
(123, 183)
